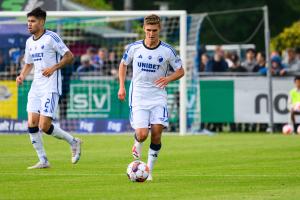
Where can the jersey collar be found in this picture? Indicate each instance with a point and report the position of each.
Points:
(35, 39)
(153, 47)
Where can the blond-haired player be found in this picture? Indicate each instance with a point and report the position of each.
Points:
(150, 60)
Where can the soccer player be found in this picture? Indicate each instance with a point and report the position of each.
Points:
(44, 50)
(150, 59)
(294, 101)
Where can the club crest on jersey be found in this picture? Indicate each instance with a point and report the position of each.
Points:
(160, 59)
(43, 46)
(149, 57)
(125, 56)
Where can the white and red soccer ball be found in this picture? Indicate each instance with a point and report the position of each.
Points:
(288, 129)
(137, 171)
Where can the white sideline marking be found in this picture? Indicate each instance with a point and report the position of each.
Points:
(158, 174)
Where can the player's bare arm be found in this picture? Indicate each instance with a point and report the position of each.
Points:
(162, 82)
(122, 76)
(66, 59)
(25, 71)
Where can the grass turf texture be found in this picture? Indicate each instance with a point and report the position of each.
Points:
(225, 166)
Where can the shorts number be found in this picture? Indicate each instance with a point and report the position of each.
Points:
(47, 102)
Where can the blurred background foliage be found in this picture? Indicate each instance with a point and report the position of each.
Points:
(234, 27)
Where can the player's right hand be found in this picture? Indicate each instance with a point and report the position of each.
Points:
(20, 79)
(122, 94)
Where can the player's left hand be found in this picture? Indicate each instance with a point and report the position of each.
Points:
(162, 82)
(48, 71)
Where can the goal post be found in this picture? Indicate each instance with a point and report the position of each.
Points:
(82, 26)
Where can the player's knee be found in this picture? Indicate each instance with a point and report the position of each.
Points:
(141, 136)
(46, 128)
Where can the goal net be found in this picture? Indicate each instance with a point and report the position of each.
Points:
(89, 102)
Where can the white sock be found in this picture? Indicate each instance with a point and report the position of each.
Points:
(138, 145)
(37, 142)
(152, 157)
(61, 134)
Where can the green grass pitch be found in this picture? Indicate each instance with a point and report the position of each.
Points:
(219, 167)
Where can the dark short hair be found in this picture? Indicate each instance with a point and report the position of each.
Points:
(262, 54)
(38, 13)
(297, 77)
(251, 50)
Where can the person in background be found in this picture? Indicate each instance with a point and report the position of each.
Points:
(217, 63)
(112, 64)
(101, 60)
(250, 61)
(297, 50)
(261, 64)
(86, 65)
(277, 68)
(228, 58)
(294, 102)
(236, 67)
(92, 52)
(291, 63)
(204, 61)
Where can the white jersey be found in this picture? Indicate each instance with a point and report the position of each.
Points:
(149, 64)
(45, 52)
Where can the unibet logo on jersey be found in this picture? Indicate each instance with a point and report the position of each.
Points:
(148, 67)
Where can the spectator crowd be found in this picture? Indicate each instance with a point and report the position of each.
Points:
(104, 62)
(254, 62)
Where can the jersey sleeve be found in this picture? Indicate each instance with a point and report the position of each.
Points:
(128, 55)
(58, 45)
(27, 56)
(175, 60)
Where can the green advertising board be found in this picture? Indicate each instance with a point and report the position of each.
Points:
(96, 99)
(22, 99)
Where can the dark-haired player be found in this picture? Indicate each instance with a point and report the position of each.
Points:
(47, 53)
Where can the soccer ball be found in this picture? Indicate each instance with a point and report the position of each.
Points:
(296, 107)
(137, 171)
(287, 129)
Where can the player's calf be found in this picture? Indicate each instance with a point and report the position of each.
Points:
(137, 148)
(37, 143)
(152, 157)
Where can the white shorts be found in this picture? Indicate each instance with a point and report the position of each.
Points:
(145, 117)
(44, 104)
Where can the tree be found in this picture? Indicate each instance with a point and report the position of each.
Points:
(235, 27)
(289, 38)
(95, 4)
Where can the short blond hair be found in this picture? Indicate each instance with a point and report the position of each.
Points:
(152, 19)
